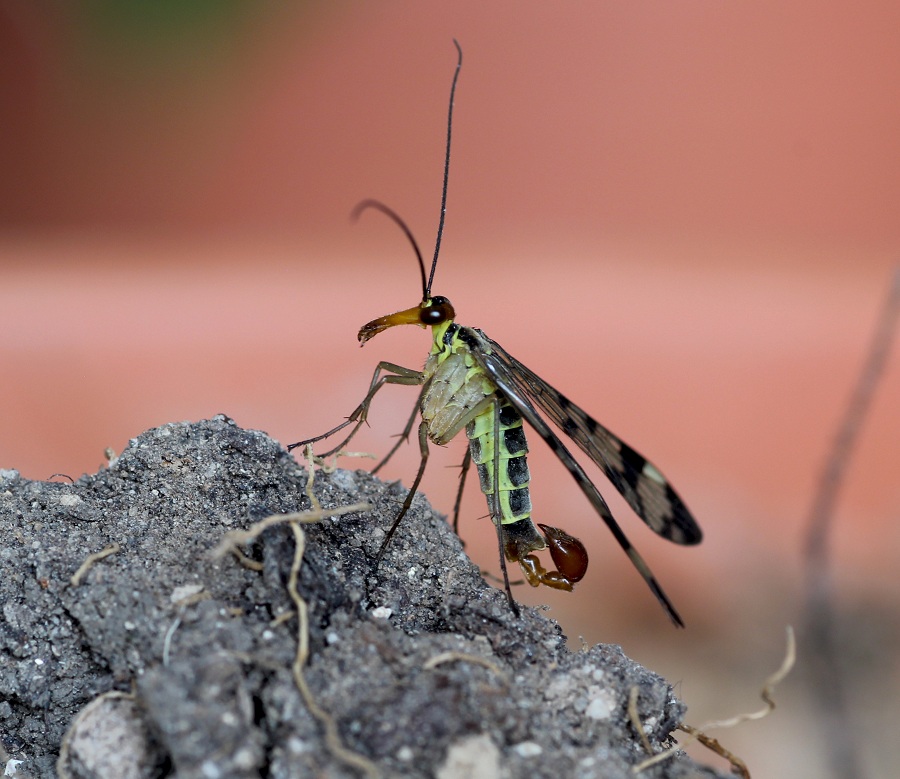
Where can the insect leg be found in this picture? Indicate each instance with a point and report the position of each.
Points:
(464, 470)
(398, 375)
(509, 598)
(404, 436)
(423, 448)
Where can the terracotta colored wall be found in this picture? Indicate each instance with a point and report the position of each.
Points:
(682, 214)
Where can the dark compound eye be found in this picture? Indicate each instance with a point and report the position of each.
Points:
(438, 311)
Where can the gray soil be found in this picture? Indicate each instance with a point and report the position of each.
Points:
(164, 660)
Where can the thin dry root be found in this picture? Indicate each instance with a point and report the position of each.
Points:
(699, 734)
(635, 718)
(329, 464)
(451, 656)
(332, 737)
(234, 539)
(738, 766)
(89, 562)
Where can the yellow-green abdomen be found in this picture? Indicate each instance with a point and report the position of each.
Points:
(514, 498)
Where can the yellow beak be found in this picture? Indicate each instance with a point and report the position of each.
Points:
(409, 317)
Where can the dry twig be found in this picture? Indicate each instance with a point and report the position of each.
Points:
(827, 680)
(699, 734)
(89, 561)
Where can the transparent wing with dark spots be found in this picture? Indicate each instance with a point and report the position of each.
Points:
(640, 482)
(500, 374)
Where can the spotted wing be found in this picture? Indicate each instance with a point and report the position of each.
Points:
(496, 366)
(640, 482)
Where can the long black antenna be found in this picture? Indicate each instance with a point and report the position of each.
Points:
(379, 206)
(440, 232)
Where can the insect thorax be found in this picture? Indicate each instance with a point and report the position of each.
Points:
(456, 390)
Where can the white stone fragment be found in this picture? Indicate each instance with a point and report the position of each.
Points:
(474, 757)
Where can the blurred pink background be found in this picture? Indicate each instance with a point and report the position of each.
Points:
(683, 215)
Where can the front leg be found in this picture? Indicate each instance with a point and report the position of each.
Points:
(423, 449)
(398, 375)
